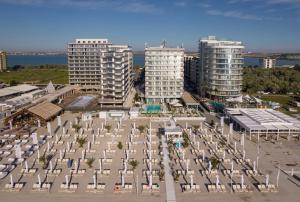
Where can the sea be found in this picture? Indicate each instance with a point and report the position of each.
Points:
(138, 59)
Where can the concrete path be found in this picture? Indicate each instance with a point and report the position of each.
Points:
(169, 180)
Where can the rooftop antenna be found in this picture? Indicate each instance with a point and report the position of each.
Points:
(146, 45)
(181, 45)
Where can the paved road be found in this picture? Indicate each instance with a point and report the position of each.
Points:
(169, 180)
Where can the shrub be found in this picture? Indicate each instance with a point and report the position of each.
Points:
(108, 128)
(81, 141)
(90, 162)
(120, 145)
(161, 175)
(141, 128)
(134, 164)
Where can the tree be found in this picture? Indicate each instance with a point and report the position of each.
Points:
(141, 128)
(134, 164)
(13, 82)
(90, 162)
(136, 97)
(108, 128)
(43, 161)
(120, 145)
(176, 176)
(76, 127)
(161, 175)
(17, 67)
(297, 67)
(214, 162)
(196, 127)
(81, 141)
(278, 80)
(186, 140)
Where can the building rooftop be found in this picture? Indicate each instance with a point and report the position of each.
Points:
(263, 119)
(161, 48)
(23, 88)
(45, 110)
(188, 99)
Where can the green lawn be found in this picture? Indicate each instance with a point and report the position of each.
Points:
(36, 76)
(281, 99)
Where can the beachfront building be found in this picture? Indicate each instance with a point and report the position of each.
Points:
(163, 73)
(100, 67)
(191, 70)
(221, 68)
(263, 122)
(3, 61)
(267, 63)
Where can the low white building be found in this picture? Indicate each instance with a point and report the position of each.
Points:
(6, 110)
(267, 63)
(13, 91)
(265, 122)
(25, 98)
(173, 132)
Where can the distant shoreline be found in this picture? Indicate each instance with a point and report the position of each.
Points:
(278, 56)
(138, 58)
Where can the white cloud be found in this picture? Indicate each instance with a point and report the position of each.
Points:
(233, 14)
(180, 3)
(134, 6)
(204, 5)
(268, 2)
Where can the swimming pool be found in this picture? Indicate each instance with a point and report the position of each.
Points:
(153, 108)
(82, 101)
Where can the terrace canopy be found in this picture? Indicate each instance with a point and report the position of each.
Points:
(189, 101)
(45, 111)
(263, 121)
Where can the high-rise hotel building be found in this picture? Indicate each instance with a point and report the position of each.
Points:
(220, 68)
(3, 61)
(191, 71)
(98, 66)
(164, 77)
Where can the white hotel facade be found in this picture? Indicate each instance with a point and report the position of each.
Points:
(98, 66)
(220, 68)
(164, 74)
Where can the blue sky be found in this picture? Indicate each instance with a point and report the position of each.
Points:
(263, 25)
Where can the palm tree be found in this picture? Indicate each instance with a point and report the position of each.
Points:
(90, 162)
(161, 175)
(176, 177)
(141, 128)
(214, 162)
(120, 145)
(108, 128)
(43, 161)
(134, 164)
(81, 141)
(196, 127)
(76, 127)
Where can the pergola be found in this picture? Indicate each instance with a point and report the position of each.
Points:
(45, 111)
(173, 133)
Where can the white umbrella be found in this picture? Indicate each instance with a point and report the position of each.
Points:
(11, 180)
(95, 181)
(242, 181)
(39, 181)
(67, 181)
(192, 180)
